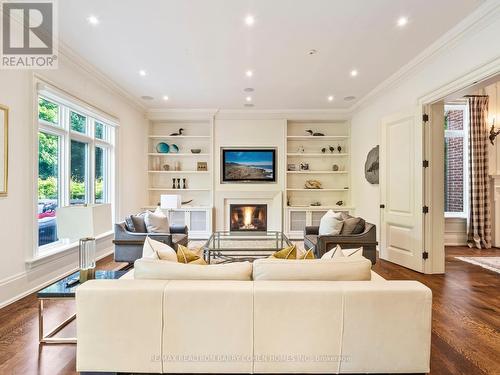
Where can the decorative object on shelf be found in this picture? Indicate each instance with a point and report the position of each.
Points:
(195, 150)
(184, 183)
(173, 183)
(187, 202)
(178, 183)
(300, 149)
(84, 222)
(202, 166)
(288, 201)
(291, 167)
(174, 148)
(339, 148)
(177, 166)
(304, 166)
(346, 187)
(162, 148)
(166, 167)
(340, 203)
(372, 165)
(178, 133)
(331, 148)
(315, 134)
(313, 184)
(323, 150)
(4, 149)
(335, 167)
(170, 202)
(316, 204)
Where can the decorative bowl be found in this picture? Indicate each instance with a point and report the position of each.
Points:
(195, 150)
(162, 148)
(174, 148)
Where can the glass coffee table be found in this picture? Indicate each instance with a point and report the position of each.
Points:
(240, 246)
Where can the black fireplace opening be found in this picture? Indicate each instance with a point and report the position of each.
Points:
(248, 217)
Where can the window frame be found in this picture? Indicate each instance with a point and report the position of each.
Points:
(63, 130)
(464, 134)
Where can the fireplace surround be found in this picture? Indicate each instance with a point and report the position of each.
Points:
(248, 217)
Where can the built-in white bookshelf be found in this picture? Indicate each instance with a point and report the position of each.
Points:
(317, 155)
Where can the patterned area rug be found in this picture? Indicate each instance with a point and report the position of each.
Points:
(490, 263)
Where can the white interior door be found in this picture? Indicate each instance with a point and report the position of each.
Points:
(401, 191)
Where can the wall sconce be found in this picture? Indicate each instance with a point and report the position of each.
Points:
(493, 133)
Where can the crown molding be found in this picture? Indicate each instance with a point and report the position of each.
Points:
(481, 17)
(99, 76)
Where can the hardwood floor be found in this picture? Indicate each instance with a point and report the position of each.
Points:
(465, 332)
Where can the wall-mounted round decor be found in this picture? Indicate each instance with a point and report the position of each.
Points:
(162, 148)
(372, 166)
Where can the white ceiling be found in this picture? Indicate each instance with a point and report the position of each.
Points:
(197, 51)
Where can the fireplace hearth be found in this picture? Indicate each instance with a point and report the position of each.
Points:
(248, 217)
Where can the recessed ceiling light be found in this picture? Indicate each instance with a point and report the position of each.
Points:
(330, 98)
(147, 97)
(312, 52)
(93, 20)
(249, 20)
(248, 98)
(249, 73)
(349, 98)
(248, 89)
(354, 73)
(402, 21)
(142, 73)
(165, 97)
(248, 105)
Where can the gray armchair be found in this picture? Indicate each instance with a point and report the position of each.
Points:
(128, 245)
(322, 244)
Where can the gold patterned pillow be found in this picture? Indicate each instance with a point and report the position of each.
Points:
(303, 254)
(184, 255)
(289, 252)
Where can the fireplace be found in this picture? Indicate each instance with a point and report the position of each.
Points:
(248, 217)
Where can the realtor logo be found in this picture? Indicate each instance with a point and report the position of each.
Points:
(28, 35)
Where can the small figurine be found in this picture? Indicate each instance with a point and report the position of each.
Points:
(340, 203)
(323, 150)
(178, 133)
(304, 166)
(314, 134)
(316, 204)
(313, 184)
(339, 148)
(173, 184)
(331, 148)
(184, 185)
(335, 167)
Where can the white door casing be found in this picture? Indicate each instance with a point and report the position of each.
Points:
(401, 190)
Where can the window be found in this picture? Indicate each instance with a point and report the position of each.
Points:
(456, 159)
(75, 155)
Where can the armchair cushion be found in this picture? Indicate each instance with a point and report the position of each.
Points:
(353, 225)
(156, 222)
(138, 223)
(330, 224)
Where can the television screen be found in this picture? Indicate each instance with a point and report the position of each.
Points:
(249, 165)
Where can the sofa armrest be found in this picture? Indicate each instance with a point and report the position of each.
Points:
(179, 229)
(311, 230)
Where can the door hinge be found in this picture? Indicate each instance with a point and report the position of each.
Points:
(382, 206)
(425, 209)
(425, 163)
(425, 255)
(425, 117)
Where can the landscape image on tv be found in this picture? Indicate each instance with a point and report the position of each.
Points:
(249, 165)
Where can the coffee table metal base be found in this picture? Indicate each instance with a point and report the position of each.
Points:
(49, 337)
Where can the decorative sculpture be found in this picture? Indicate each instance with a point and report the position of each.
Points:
(178, 133)
(372, 166)
(313, 184)
(315, 134)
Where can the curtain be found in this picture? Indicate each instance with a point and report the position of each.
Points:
(479, 231)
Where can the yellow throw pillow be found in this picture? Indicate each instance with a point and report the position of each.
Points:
(184, 255)
(289, 252)
(309, 254)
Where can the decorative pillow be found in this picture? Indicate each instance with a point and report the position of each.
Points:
(156, 222)
(158, 250)
(330, 224)
(138, 223)
(129, 224)
(341, 269)
(353, 252)
(303, 254)
(184, 255)
(360, 227)
(289, 252)
(353, 225)
(336, 252)
(151, 269)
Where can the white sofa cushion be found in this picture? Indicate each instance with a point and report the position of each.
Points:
(158, 250)
(338, 269)
(338, 252)
(156, 222)
(152, 269)
(330, 224)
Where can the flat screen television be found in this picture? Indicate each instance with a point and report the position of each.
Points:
(256, 165)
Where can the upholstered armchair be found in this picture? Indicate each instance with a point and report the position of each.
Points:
(321, 244)
(128, 245)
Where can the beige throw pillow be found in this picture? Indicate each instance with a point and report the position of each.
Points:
(156, 222)
(336, 252)
(158, 250)
(330, 224)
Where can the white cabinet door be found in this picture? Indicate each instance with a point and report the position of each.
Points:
(401, 191)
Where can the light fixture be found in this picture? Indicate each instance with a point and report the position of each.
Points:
(330, 98)
(349, 98)
(312, 51)
(402, 21)
(93, 20)
(248, 89)
(249, 105)
(142, 73)
(249, 73)
(354, 73)
(248, 98)
(165, 97)
(249, 20)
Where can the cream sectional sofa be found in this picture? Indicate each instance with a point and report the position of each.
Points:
(143, 325)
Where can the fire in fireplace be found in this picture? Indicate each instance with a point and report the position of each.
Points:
(248, 217)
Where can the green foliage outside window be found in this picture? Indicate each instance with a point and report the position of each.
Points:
(78, 122)
(48, 111)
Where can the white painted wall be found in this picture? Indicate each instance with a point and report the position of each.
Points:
(16, 222)
(473, 48)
